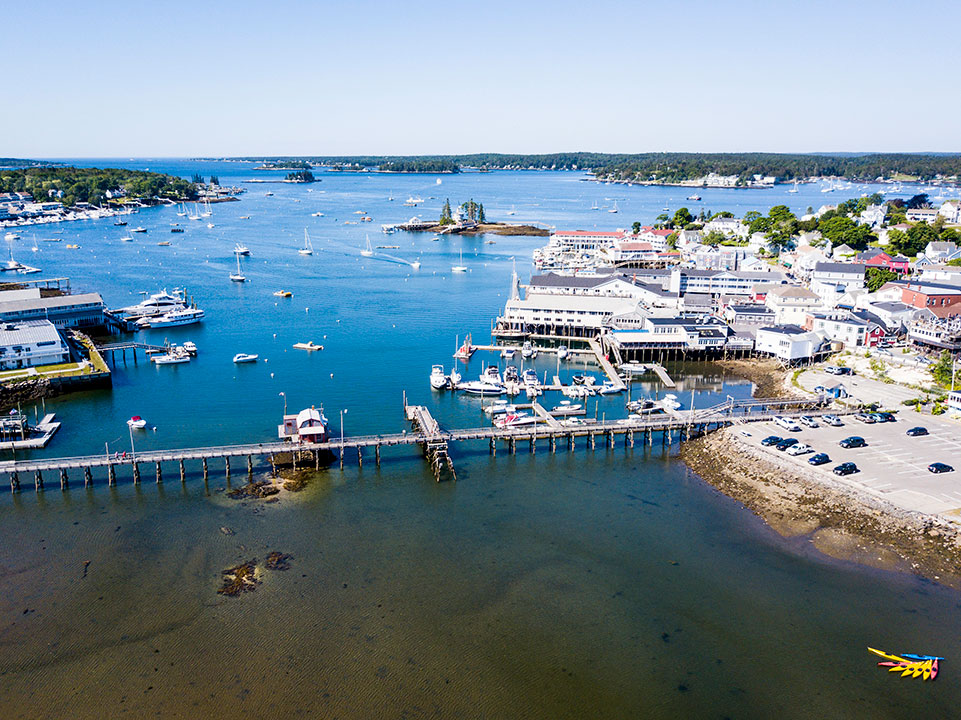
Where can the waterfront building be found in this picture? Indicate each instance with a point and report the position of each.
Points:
(748, 314)
(845, 327)
(830, 280)
(672, 333)
(926, 215)
(66, 311)
(308, 425)
(791, 304)
(30, 343)
(789, 343)
(577, 315)
(929, 331)
(941, 300)
(721, 282)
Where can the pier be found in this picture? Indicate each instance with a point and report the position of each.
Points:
(123, 347)
(433, 439)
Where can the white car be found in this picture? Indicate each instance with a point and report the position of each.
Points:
(799, 449)
(787, 423)
(809, 421)
(832, 420)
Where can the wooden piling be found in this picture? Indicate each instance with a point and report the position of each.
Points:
(160, 477)
(111, 475)
(183, 472)
(377, 454)
(64, 483)
(38, 480)
(204, 461)
(570, 441)
(360, 457)
(513, 445)
(14, 482)
(553, 444)
(87, 477)
(136, 473)
(533, 444)
(227, 467)
(590, 436)
(250, 466)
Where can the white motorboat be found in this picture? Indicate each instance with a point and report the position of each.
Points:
(510, 375)
(694, 197)
(527, 351)
(308, 248)
(670, 402)
(566, 407)
(562, 352)
(10, 236)
(507, 353)
(438, 379)
(241, 250)
(609, 388)
(245, 358)
(139, 229)
(189, 347)
(187, 316)
(530, 379)
(478, 387)
(156, 304)
(491, 375)
(172, 357)
(311, 345)
(455, 378)
(497, 407)
(137, 422)
(367, 251)
(239, 275)
(511, 420)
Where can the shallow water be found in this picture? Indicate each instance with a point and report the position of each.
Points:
(610, 583)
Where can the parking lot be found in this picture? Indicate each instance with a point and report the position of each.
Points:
(893, 466)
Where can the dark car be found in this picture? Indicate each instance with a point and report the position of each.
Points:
(940, 467)
(887, 417)
(786, 443)
(917, 431)
(845, 371)
(846, 468)
(819, 459)
(853, 442)
(770, 440)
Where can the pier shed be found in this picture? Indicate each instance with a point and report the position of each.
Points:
(308, 425)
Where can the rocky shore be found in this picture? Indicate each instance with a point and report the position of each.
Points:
(839, 520)
(770, 378)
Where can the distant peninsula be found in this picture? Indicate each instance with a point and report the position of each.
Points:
(97, 186)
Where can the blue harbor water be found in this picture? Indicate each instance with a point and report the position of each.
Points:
(605, 583)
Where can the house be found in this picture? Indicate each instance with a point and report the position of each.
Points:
(721, 257)
(791, 304)
(895, 316)
(842, 250)
(30, 343)
(807, 257)
(789, 343)
(306, 426)
(830, 280)
(941, 252)
(845, 327)
(748, 314)
(926, 215)
(942, 301)
(951, 211)
(873, 216)
(945, 274)
(875, 257)
(728, 227)
(656, 237)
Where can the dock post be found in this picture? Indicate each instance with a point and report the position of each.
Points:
(87, 477)
(38, 480)
(491, 447)
(204, 461)
(111, 475)
(513, 445)
(293, 460)
(14, 482)
(64, 484)
(136, 473)
(250, 465)
(226, 467)
(183, 472)
(273, 468)
(160, 478)
(553, 444)
(570, 441)
(630, 437)
(360, 457)
(610, 443)
(377, 454)
(533, 444)
(494, 446)
(316, 459)
(591, 436)
(341, 457)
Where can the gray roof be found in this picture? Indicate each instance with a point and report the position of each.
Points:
(29, 332)
(554, 280)
(849, 268)
(50, 303)
(785, 329)
(752, 309)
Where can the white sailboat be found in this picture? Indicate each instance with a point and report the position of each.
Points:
(794, 189)
(613, 209)
(368, 251)
(462, 268)
(594, 206)
(238, 276)
(511, 211)
(207, 211)
(183, 210)
(307, 249)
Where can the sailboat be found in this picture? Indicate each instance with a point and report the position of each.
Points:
(307, 249)
(613, 209)
(594, 206)
(462, 268)
(238, 276)
(196, 213)
(794, 189)
(183, 210)
(207, 211)
(368, 251)
(511, 211)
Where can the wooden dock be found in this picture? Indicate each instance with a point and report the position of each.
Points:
(428, 434)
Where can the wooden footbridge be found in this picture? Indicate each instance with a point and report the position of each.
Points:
(427, 433)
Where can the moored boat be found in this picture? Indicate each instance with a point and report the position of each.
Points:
(245, 358)
(137, 422)
(438, 379)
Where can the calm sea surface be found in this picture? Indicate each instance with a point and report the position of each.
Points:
(585, 584)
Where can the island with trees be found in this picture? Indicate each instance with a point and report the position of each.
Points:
(285, 164)
(97, 186)
(301, 176)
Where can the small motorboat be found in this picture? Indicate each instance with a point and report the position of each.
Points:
(308, 346)
(189, 347)
(566, 407)
(120, 223)
(479, 387)
(174, 356)
(164, 243)
(245, 358)
(176, 229)
(283, 293)
(562, 352)
(241, 250)
(527, 351)
(511, 420)
(507, 353)
(578, 379)
(438, 378)
(137, 422)
(139, 229)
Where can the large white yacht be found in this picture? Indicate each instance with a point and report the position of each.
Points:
(186, 316)
(156, 304)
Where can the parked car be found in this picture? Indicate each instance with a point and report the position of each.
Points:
(940, 467)
(832, 420)
(787, 423)
(799, 449)
(866, 418)
(845, 371)
(786, 443)
(846, 468)
(832, 370)
(809, 421)
(819, 459)
(886, 417)
(853, 442)
(917, 431)
(770, 440)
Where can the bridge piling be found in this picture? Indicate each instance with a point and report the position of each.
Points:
(38, 481)
(64, 484)
(160, 478)
(87, 477)
(111, 475)
(204, 461)
(183, 472)
(377, 454)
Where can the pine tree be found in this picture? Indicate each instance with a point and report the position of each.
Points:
(445, 216)
(481, 218)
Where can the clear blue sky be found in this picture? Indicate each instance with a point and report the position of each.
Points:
(107, 79)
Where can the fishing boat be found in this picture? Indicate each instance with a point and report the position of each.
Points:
(174, 356)
(311, 345)
(137, 422)
(464, 351)
(307, 249)
(438, 379)
(367, 251)
(238, 276)
(245, 358)
(283, 293)
(163, 243)
(562, 352)
(139, 229)
(241, 250)
(174, 318)
(120, 223)
(176, 229)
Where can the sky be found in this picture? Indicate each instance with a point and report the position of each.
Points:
(211, 78)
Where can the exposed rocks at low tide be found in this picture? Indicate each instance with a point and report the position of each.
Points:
(840, 520)
(278, 560)
(240, 579)
(256, 490)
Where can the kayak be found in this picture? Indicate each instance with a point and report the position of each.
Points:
(888, 656)
(927, 669)
(912, 656)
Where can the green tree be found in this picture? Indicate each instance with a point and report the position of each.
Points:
(636, 227)
(682, 217)
(214, 180)
(481, 217)
(840, 230)
(877, 277)
(672, 240)
(197, 178)
(445, 214)
(942, 370)
(713, 238)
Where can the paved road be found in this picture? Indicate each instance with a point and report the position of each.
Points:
(893, 466)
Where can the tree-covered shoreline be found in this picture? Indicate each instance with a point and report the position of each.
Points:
(70, 185)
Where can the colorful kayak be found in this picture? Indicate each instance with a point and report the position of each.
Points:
(912, 656)
(910, 664)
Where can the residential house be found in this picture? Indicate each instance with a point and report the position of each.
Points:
(941, 252)
(729, 227)
(845, 327)
(951, 211)
(875, 257)
(928, 215)
(830, 280)
(789, 343)
(791, 303)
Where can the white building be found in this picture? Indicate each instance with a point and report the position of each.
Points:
(927, 215)
(951, 211)
(579, 314)
(720, 282)
(841, 327)
(306, 426)
(31, 343)
(789, 343)
(729, 227)
(791, 304)
(830, 281)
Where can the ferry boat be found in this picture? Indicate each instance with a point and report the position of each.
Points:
(245, 358)
(438, 379)
(174, 318)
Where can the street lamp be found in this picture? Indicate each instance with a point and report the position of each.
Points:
(285, 403)
(133, 454)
